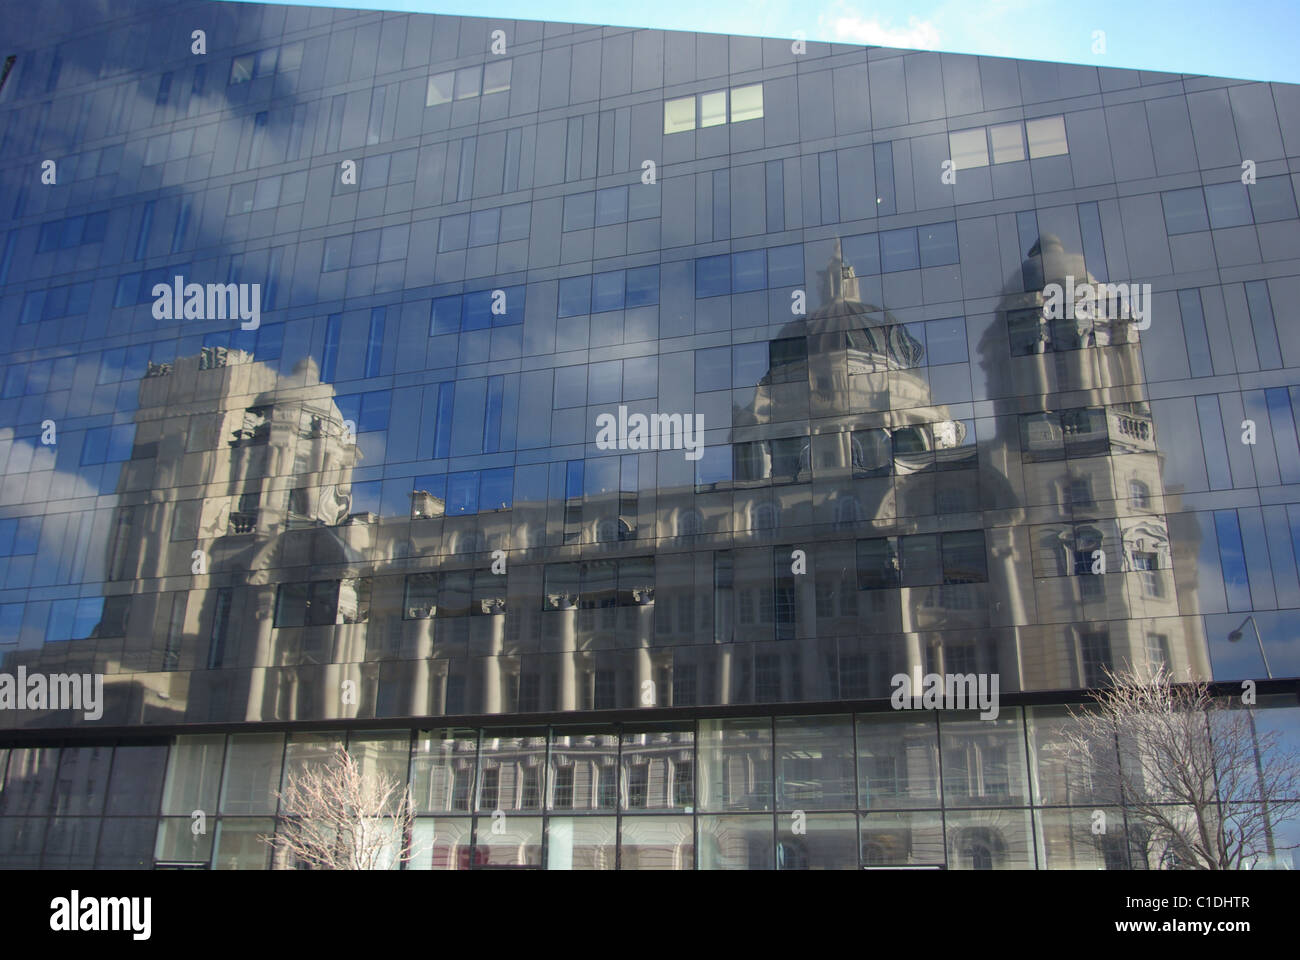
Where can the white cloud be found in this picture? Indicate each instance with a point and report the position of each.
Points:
(849, 27)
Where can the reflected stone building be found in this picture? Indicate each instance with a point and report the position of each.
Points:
(380, 519)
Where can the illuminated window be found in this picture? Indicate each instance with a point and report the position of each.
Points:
(679, 115)
(746, 103)
(1008, 143)
(713, 109)
(440, 87)
(968, 149)
(1046, 137)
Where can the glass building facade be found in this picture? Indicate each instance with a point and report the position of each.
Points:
(360, 485)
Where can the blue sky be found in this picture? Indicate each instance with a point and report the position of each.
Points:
(1255, 40)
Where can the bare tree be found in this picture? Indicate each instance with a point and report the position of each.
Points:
(1202, 788)
(336, 816)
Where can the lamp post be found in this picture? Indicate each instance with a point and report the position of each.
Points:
(1234, 637)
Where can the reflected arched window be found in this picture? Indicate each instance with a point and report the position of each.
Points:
(690, 523)
(848, 511)
(764, 516)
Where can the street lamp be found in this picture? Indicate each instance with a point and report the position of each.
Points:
(1254, 737)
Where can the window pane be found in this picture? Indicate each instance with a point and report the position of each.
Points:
(1008, 143)
(496, 76)
(983, 760)
(737, 843)
(898, 250)
(442, 770)
(252, 773)
(713, 108)
(575, 296)
(920, 560)
(1185, 210)
(878, 563)
(968, 148)
(814, 763)
(898, 762)
(964, 557)
(938, 244)
(657, 843)
(467, 82)
(1046, 137)
(746, 103)
(1228, 204)
(193, 774)
(735, 758)
(679, 115)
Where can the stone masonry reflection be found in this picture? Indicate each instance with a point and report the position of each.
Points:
(384, 507)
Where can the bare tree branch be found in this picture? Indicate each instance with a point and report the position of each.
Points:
(335, 816)
(1199, 783)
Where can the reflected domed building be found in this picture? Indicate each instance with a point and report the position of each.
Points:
(380, 518)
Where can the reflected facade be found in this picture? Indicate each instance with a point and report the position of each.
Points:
(382, 516)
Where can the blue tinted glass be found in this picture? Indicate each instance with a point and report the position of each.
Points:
(575, 296)
(1281, 419)
(95, 447)
(96, 226)
(945, 341)
(445, 316)
(496, 491)
(1185, 210)
(712, 369)
(605, 382)
(512, 308)
(642, 286)
(1233, 559)
(453, 233)
(1228, 204)
(573, 479)
(579, 211)
(611, 206)
(1094, 250)
(365, 497)
(11, 621)
(375, 342)
(483, 227)
(712, 276)
(862, 253)
(607, 291)
(27, 537)
(462, 493)
(749, 271)
(48, 238)
(785, 265)
(570, 386)
(374, 411)
(476, 310)
(749, 363)
(443, 420)
(714, 465)
(884, 158)
(33, 307)
(8, 527)
(330, 351)
(1270, 198)
(492, 415)
(1198, 343)
(938, 244)
(898, 250)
